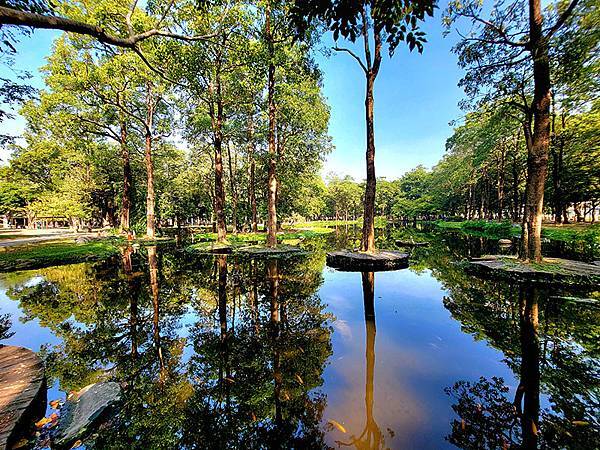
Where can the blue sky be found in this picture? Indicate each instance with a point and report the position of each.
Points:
(416, 96)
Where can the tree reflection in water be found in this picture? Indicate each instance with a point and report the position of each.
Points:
(487, 419)
(371, 436)
(211, 352)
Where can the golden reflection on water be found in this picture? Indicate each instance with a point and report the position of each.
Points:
(371, 418)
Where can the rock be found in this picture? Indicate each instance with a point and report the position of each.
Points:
(82, 240)
(22, 393)
(551, 270)
(504, 242)
(83, 411)
(360, 261)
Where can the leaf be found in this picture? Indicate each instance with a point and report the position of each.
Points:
(338, 425)
(40, 423)
(55, 404)
(77, 443)
(299, 379)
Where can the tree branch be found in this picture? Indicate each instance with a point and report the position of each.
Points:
(354, 55)
(10, 16)
(562, 19)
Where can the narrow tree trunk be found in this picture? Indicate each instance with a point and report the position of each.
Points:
(217, 125)
(251, 184)
(127, 180)
(368, 231)
(234, 199)
(537, 160)
(272, 174)
(150, 196)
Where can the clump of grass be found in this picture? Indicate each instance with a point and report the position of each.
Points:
(51, 254)
(8, 236)
(502, 229)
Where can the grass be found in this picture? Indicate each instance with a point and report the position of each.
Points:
(55, 253)
(259, 238)
(570, 233)
(9, 236)
(503, 229)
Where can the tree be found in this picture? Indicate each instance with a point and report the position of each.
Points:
(505, 40)
(384, 22)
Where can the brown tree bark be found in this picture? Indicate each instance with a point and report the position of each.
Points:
(217, 119)
(150, 195)
(234, 197)
(272, 172)
(537, 158)
(372, 68)
(251, 175)
(127, 179)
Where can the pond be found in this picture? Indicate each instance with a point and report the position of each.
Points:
(235, 352)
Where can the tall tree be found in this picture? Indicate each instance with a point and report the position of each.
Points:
(378, 23)
(501, 39)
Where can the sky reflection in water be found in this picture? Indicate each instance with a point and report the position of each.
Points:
(294, 354)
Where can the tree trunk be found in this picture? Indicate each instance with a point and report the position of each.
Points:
(368, 231)
(150, 196)
(127, 180)
(251, 186)
(217, 124)
(537, 158)
(272, 174)
(234, 199)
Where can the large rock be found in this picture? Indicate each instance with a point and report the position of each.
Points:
(84, 410)
(22, 393)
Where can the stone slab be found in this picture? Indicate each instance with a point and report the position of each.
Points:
(551, 270)
(22, 393)
(353, 261)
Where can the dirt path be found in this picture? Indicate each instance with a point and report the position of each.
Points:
(36, 236)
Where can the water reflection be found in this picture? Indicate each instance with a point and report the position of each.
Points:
(552, 362)
(371, 436)
(232, 352)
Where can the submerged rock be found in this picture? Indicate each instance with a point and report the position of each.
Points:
(83, 411)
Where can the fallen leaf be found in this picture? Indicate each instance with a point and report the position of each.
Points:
(77, 443)
(338, 425)
(580, 423)
(55, 404)
(299, 379)
(40, 423)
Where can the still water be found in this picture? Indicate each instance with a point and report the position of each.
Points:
(234, 352)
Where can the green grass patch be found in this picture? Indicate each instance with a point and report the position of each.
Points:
(324, 224)
(9, 236)
(55, 253)
(504, 229)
